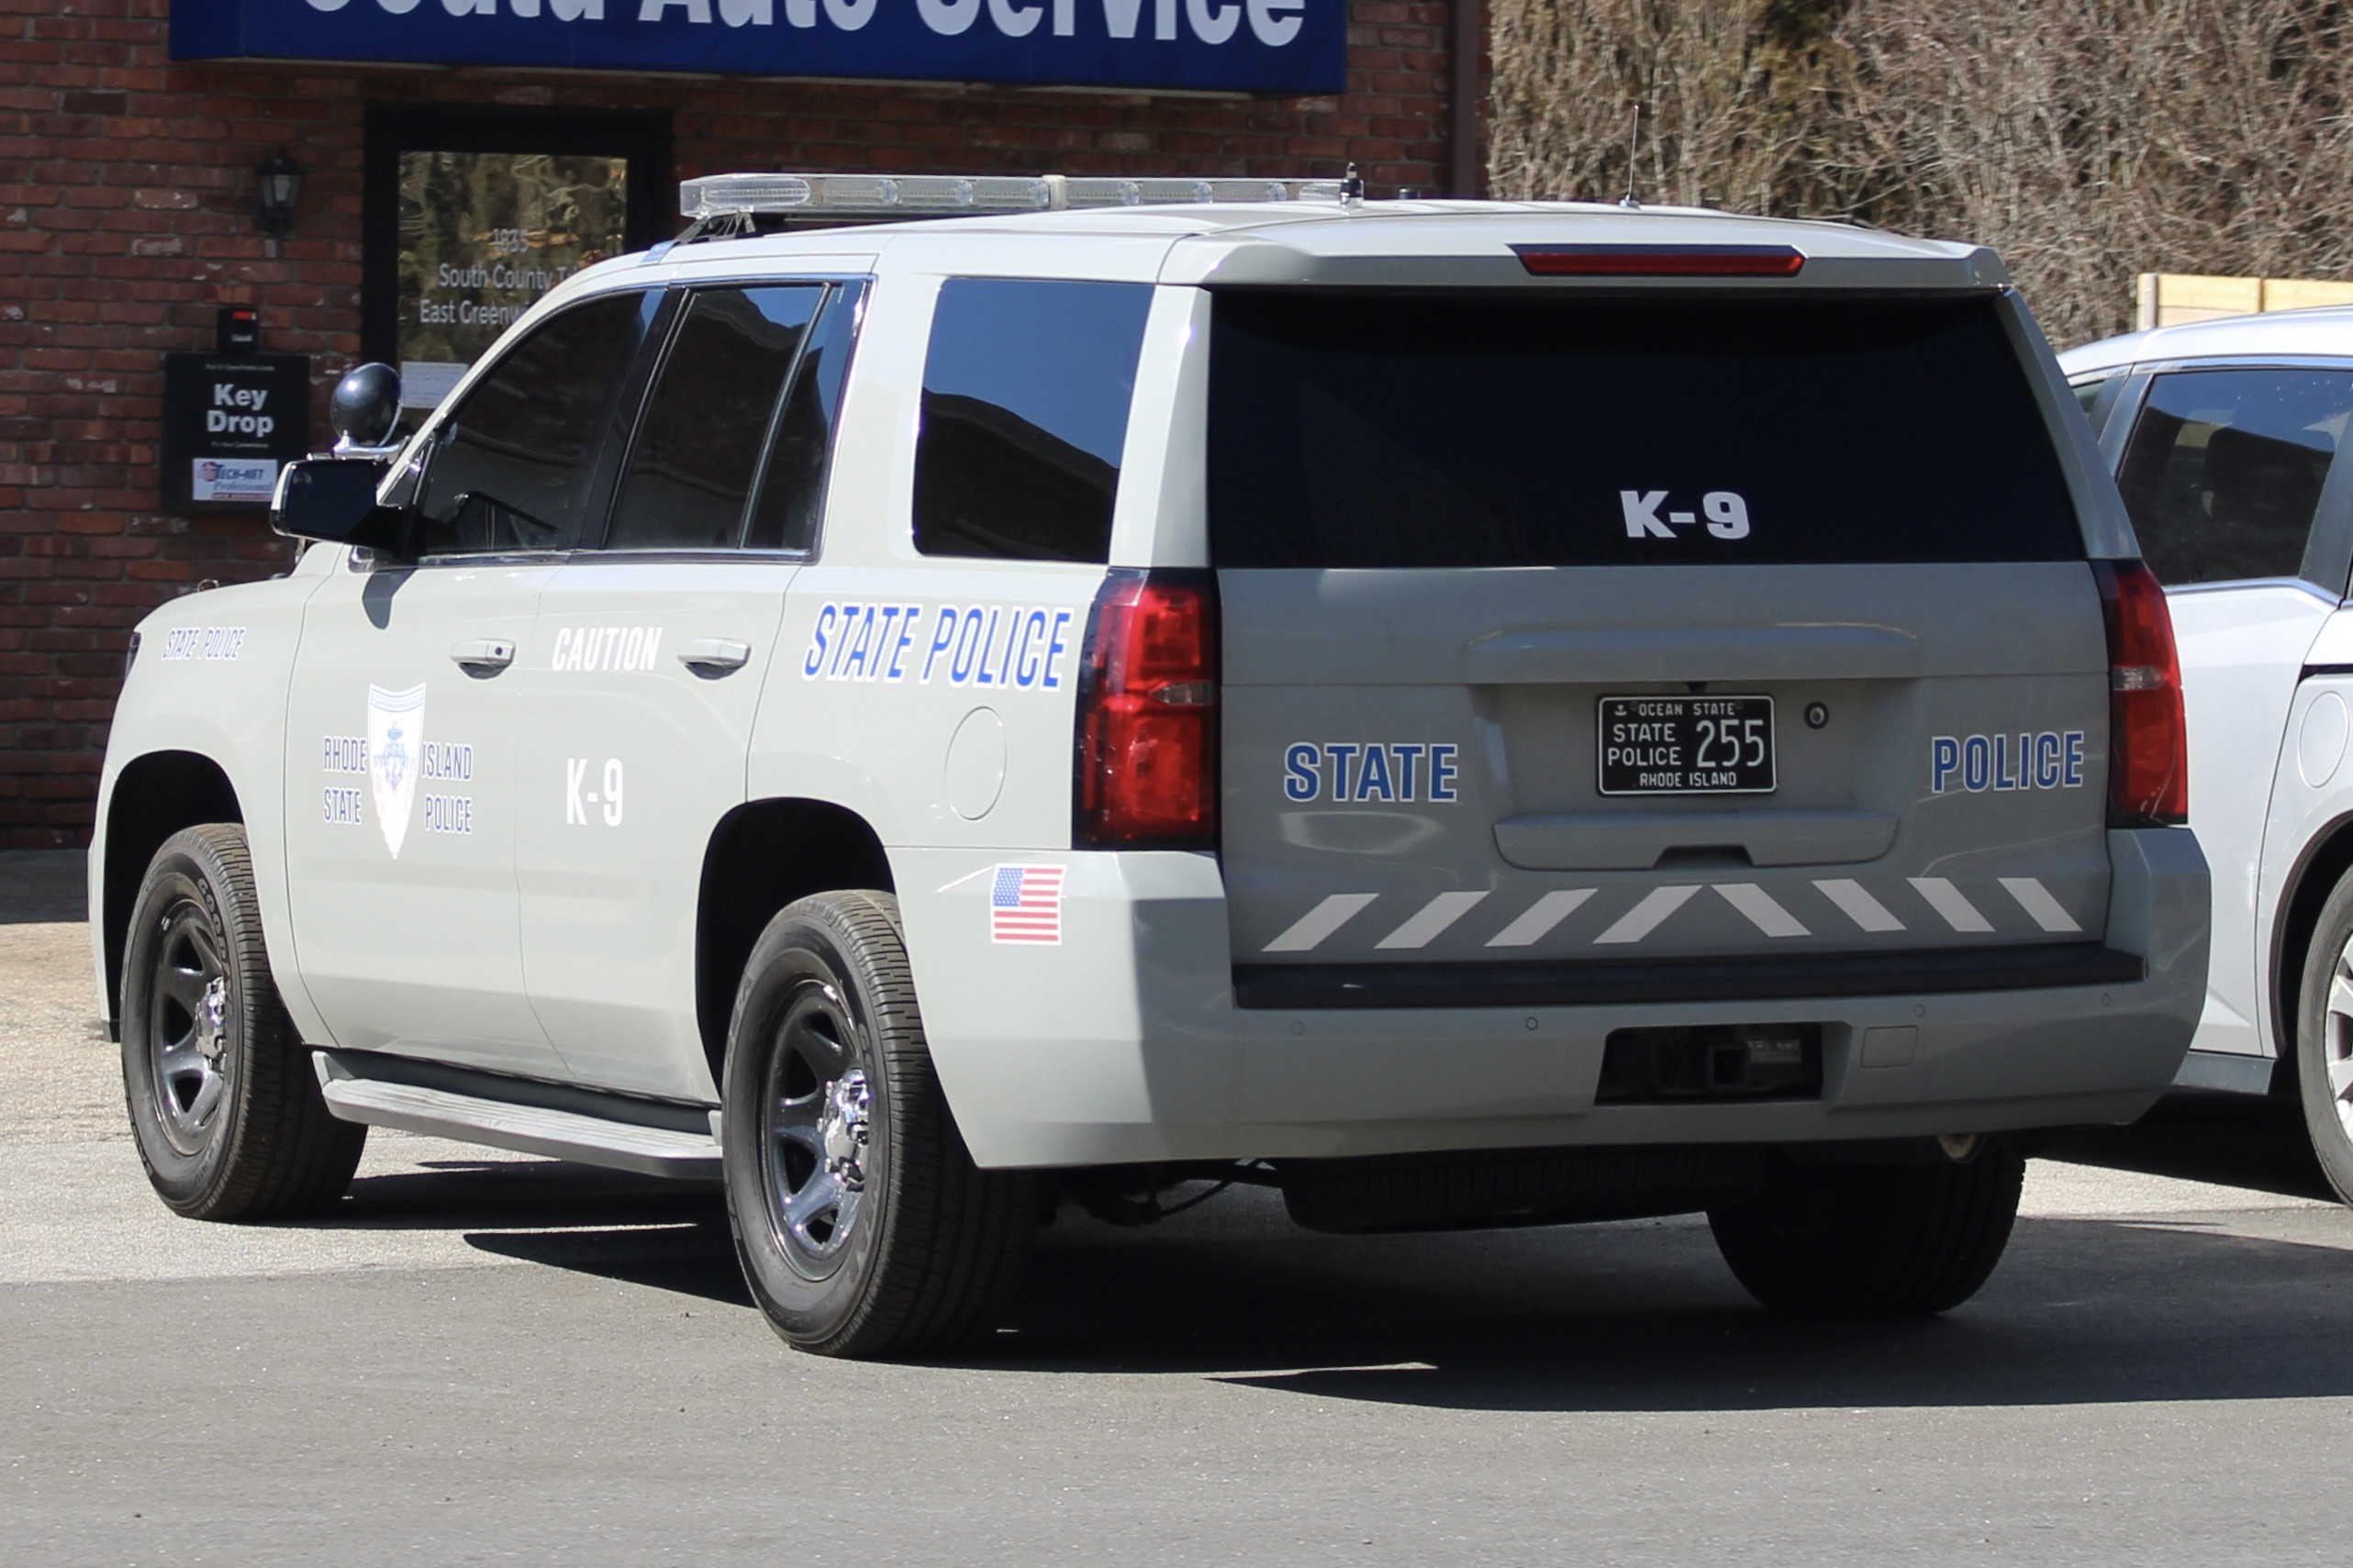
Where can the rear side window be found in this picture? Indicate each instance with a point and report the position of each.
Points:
(2224, 469)
(1367, 430)
(706, 427)
(509, 468)
(792, 488)
(1026, 388)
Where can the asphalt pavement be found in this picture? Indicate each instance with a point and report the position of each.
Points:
(489, 1358)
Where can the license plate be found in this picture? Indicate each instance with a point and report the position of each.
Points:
(1686, 745)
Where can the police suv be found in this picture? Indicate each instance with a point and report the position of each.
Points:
(1468, 713)
(2226, 438)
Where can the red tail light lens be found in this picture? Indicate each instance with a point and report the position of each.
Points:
(1660, 261)
(1147, 714)
(2149, 740)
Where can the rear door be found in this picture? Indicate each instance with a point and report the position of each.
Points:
(1674, 634)
(2243, 512)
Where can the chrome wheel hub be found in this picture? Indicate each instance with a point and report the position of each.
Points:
(844, 1131)
(212, 1017)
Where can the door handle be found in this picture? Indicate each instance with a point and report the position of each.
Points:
(488, 654)
(714, 655)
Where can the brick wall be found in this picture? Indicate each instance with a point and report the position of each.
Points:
(126, 219)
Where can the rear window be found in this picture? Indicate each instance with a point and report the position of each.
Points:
(1368, 430)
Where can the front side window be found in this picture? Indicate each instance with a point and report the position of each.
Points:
(2223, 472)
(1026, 389)
(706, 425)
(510, 469)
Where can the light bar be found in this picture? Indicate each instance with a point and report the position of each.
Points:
(927, 195)
(1660, 261)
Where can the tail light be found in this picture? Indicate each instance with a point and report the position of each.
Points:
(1660, 261)
(2148, 741)
(1147, 773)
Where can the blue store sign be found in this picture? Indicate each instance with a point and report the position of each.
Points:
(1256, 45)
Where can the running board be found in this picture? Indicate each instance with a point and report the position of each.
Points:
(654, 1138)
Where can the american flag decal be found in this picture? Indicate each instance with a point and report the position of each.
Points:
(1025, 904)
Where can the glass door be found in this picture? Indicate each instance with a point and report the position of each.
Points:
(472, 216)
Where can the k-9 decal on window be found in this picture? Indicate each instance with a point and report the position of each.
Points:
(1726, 510)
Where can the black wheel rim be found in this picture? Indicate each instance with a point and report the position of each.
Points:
(816, 1113)
(189, 1020)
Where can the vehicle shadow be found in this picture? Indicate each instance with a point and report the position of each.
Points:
(639, 1230)
(1646, 1318)
(1630, 1316)
(2240, 1141)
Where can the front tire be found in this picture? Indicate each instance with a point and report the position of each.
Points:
(223, 1103)
(864, 1227)
(1874, 1240)
(2325, 1039)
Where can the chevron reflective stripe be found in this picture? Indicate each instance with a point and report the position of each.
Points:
(1542, 917)
(1763, 913)
(1309, 930)
(1648, 916)
(1857, 904)
(1429, 919)
(1947, 900)
(2036, 900)
(1761, 908)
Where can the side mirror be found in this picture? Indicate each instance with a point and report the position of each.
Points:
(334, 500)
(366, 410)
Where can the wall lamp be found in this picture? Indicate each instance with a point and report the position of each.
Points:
(277, 187)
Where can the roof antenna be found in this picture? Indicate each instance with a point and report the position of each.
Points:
(1634, 146)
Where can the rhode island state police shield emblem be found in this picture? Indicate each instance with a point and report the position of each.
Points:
(395, 741)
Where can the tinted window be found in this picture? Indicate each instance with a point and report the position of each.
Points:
(707, 424)
(2224, 469)
(792, 490)
(1367, 430)
(1025, 407)
(510, 468)
(2086, 393)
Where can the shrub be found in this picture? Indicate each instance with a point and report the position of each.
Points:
(2086, 139)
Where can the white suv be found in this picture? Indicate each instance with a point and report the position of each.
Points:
(1470, 713)
(2225, 436)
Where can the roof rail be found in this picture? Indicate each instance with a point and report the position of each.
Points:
(729, 207)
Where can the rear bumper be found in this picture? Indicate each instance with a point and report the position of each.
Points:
(1127, 1041)
(2039, 966)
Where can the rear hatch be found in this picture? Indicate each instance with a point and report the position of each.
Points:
(1694, 644)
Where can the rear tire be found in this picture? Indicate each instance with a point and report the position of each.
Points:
(2325, 1039)
(1874, 1240)
(863, 1225)
(223, 1102)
